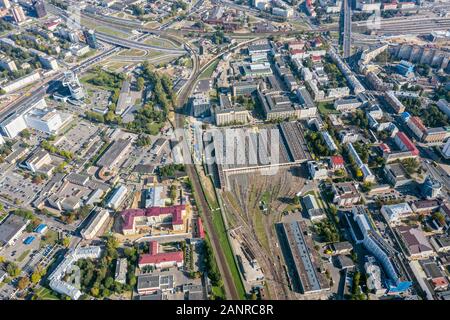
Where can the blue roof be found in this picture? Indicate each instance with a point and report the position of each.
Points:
(29, 240)
(401, 286)
(405, 115)
(40, 228)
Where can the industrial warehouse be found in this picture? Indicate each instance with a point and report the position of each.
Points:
(237, 151)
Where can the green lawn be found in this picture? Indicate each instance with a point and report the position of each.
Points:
(159, 43)
(50, 238)
(23, 256)
(210, 70)
(45, 294)
(326, 108)
(220, 231)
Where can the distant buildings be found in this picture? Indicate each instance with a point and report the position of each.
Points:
(227, 113)
(347, 105)
(115, 153)
(120, 274)
(373, 273)
(154, 198)
(21, 82)
(329, 142)
(364, 232)
(315, 213)
(36, 116)
(200, 104)
(393, 101)
(71, 81)
(396, 175)
(7, 63)
(5, 4)
(368, 176)
(151, 284)
(124, 101)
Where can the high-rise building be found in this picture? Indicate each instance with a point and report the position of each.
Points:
(39, 8)
(71, 81)
(5, 4)
(91, 40)
(18, 14)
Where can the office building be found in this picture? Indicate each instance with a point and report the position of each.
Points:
(11, 229)
(95, 224)
(90, 38)
(18, 14)
(117, 197)
(160, 260)
(396, 212)
(39, 8)
(5, 4)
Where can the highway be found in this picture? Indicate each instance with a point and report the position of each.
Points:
(125, 43)
(41, 89)
(347, 26)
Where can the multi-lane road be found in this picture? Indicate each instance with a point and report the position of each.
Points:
(347, 29)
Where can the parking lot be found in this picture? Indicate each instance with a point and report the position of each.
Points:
(16, 189)
(78, 137)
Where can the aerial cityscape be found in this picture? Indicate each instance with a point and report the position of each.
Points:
(225, 150)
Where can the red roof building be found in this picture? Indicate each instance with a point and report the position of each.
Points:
(337, 162)
(160, 259)
(405, 143)
(172, 216)
(384, 148)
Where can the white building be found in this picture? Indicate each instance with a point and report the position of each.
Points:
(117, 198)
(95, 224)
(331, 145)
(446, 150)
(317, 171)
(13, 125)
(395, 212)
(373, 273)
(21, 82)
(55, 278)
(45, 120)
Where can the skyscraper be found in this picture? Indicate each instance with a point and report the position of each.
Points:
(18, 14)
(5, 4)
(91, 40)
(39, 8)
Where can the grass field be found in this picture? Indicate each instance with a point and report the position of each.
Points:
(210, 70)
(50, 238)
(132, 53)
(220, 230)
(104, 29)
(23, 256)
(159, 43)
(45, 294)
(326, 108)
